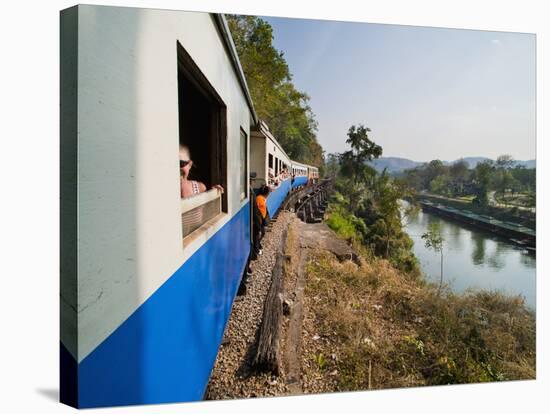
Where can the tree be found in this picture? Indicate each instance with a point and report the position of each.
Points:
(505, 162)
(441, 185)
(459, 173)
(364, 149)
(483, 173)
(354, 162)
(413, 178)
(387, 195)
(525, 176)
(332, 165)
(504, 178)
(434, 240)
(369, 203)
(276, 100)
(432, 170)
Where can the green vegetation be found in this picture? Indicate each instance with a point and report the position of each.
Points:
(386, 330)
(513, 185)
(384, 325)
(434, 240)
(366, 205)
(511, 214)
(276, 100)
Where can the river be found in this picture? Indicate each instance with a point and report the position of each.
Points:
(474, 259)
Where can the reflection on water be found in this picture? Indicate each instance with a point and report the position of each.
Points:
(474, 259)
(478, 252)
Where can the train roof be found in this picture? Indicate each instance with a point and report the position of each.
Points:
(223, 28)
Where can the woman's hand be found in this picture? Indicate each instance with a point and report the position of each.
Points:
(218, 187)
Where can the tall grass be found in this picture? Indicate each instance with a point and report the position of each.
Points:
(389, 330)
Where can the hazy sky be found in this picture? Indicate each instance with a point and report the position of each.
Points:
(426, 93)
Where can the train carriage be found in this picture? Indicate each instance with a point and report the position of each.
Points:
(148, 272)
(270, 165)
(145, 299)
(313, 174)
(300, 174)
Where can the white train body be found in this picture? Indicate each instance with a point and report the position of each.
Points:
(145, 299)
(142, 313)
(313, 173)
(270, 165)
(300, 174)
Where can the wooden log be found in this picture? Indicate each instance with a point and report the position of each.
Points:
(267, 356)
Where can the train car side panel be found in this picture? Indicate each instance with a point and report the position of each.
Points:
(175, 334)
(258, 159)
(298, 181)
(150, 307)
(277, 196)
(130, 236)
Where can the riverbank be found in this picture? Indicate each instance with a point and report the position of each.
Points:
(377, 327)
(473, 258)
(383, 327)
(513, 215)
(513, 232)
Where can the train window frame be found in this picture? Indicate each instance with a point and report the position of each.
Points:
(189, 73)
(243, 160)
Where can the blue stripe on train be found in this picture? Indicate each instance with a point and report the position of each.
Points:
(165, 351)
(276, 197)
(298, 181)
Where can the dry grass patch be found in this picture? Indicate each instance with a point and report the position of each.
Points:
(374, 327)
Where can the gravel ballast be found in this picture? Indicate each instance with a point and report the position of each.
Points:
(232, 376)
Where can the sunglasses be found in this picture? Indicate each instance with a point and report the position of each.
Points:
(183, 163)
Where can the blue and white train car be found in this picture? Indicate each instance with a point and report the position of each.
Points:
(313, 173)
(300, 174)
(145, 300)
(269, 165)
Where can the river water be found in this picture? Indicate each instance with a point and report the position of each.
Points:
(474, 259)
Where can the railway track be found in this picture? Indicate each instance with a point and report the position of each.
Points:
(234, 375)
(309, 203)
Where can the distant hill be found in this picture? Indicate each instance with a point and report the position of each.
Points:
(395, 165)
(472, 161)
(528, 163)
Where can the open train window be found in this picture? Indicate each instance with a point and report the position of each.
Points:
(276, 166)
(203, 140)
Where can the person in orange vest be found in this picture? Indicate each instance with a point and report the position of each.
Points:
(261, 202)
